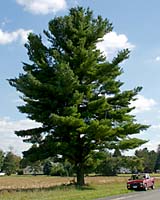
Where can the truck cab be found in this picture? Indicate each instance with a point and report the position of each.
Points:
(140, 181)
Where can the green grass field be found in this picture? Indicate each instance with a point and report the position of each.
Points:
(44, 188)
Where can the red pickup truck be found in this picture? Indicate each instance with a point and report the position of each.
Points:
(140, 181)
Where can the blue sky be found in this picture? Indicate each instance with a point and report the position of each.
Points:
(136, 26)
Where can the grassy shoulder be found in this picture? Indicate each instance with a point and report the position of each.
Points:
(33, 188)
(66, 192)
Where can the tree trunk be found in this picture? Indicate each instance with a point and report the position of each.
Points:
(80, 175)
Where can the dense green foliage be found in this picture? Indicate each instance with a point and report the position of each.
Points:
(2, 155)
(74, 93)
(149, 159)
(11, 163)
(108, 165)
(157, 164)
(47, 167)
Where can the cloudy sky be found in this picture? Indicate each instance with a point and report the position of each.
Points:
(136, 26)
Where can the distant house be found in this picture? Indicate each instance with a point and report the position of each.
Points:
(29, 170)
(124, 170)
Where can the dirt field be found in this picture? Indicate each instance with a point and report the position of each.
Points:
(39, 182)
(29, 182)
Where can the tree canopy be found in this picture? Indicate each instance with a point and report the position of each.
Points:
(71, 88)
(11, 163)
(149, 159)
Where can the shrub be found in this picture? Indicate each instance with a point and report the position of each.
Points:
(57, 170)
(20, 172)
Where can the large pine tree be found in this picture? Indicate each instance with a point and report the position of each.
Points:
(73, 91)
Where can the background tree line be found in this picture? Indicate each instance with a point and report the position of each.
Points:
(102, 163)
(107, 163)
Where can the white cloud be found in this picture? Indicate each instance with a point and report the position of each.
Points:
(9, 139)
(157, 59)
(8, 126)
(9, 37)
(112, 43)
(153, 138)
(156, 126)
(142, 104)
(43, 6)
(151, 145)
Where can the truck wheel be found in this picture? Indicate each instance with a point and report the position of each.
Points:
(153, 187)
(145, 187)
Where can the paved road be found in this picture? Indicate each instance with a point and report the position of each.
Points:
(142, 195)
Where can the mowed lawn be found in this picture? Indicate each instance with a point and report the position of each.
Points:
(56, 188)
